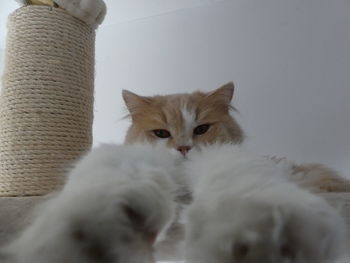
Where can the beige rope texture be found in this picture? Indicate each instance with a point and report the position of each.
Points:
(46, 102)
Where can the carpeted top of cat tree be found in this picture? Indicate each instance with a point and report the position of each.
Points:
(46, 103)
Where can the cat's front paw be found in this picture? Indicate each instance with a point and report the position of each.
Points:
(249, 232)
(92, 12)
(105, 223)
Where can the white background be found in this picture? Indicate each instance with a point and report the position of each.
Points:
(290, 61)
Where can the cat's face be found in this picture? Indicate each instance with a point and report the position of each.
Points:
(183, 121)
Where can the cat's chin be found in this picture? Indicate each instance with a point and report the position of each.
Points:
(178, 155)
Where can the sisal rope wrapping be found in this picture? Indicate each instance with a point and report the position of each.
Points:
(46, 103)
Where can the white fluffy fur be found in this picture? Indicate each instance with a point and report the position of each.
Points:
(91, 12)
(244, 211)
(87, 222)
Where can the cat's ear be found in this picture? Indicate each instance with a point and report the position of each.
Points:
(134, 102)
(224, 93)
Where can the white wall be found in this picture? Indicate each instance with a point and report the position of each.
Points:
(290, 61)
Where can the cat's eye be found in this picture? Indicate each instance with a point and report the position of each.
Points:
(161, 133)
(201, 129)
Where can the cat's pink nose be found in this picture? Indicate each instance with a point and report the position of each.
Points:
(184, 149)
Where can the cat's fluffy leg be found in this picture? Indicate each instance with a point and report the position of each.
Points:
(115, 203)
(245, 210)
(247, 231)
(101, 224)
(91, 12)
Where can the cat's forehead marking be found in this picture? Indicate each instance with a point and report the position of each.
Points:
(189, 116)
(189, 119)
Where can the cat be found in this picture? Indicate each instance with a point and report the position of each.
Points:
(186, 121)
(118, 199)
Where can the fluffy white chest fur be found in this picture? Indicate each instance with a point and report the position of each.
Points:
(119, 198)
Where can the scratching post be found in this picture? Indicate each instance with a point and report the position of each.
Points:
(46, 102)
